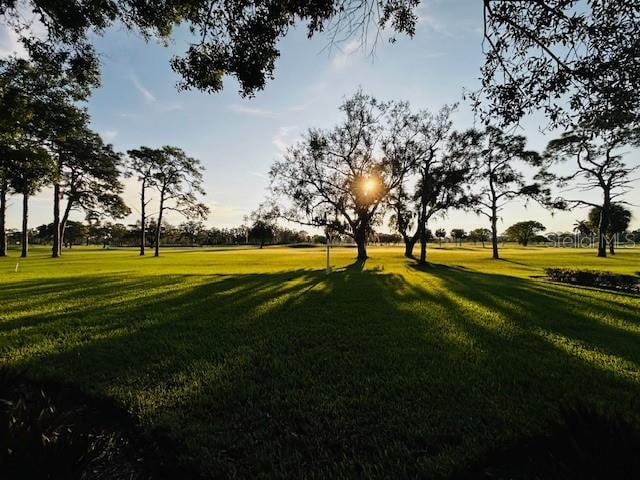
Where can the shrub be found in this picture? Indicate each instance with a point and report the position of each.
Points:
(302, 245)
(584, 443)
(57, 434)
(594, 278)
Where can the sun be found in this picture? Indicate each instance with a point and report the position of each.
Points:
(369, 186)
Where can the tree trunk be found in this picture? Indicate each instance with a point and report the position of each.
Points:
(361, 242)
(612, 241)
(603, 226)
(3, 218)
(157, 241)
(422, 227)
(409, 244)
(494, 233)
(57, 238)
(64, 221)
(25, 224)
(143, 220)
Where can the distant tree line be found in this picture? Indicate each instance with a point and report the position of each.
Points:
(186, 234)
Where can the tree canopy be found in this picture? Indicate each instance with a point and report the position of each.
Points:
(237, 38)
(577, 60)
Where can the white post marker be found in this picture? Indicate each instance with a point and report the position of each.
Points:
(328, 259)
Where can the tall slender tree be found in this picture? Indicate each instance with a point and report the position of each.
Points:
(501, 180)
(65, 125)
(178, 181)
(4, 193)
(444, 182)
(90, 179)
(28, 173)
(141, 164)
(37, 96)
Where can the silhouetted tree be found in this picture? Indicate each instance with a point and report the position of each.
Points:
(262, 232)
(598, 166)
(583, 227)
(480, 235)
(500, 178)
(458, 234)
(74, 232)
(178, 180)
(333, 178)
(37, 96)
(522, 232)
(29, 171)
(191, 230)
(619, 220)
(441, 233)
(4, 193)
(87, 175)
(141, 164)
(425, 153)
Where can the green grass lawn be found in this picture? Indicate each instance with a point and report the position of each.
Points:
(260, 364)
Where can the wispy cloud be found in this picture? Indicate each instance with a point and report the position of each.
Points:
(432, 22)
(109, 135)
(128, 115)
(258, 174)
(282, 138)
(297, 108)
(146, 94)
(346, 54)
(254, 111)
(173, 107)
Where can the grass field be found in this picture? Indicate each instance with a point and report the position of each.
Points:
(260, 364)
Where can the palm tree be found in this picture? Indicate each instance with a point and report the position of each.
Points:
(583, 227)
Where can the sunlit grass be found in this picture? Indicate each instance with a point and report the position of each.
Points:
(259, 363)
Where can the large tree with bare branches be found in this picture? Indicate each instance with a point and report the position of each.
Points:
(598, 165)
(433, 165)
(336, 178)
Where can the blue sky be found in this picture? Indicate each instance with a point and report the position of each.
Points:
(238, 139)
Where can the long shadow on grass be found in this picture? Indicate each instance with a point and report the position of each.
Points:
(355, 374)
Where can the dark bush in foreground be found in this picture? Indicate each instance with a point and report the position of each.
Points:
(584, 444)
(594, 278)
(54, 433)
